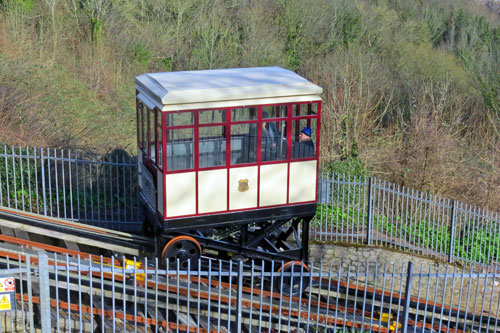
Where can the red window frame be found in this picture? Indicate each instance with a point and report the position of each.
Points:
(227, 125)
(138, 110)
(158, 146)
(144, 136)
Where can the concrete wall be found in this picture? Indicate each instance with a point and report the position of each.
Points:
(466, 293)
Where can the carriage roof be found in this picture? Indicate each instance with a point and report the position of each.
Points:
(224, 87)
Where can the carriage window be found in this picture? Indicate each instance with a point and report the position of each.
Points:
(243, 143)
(144, 128)
(139, 124)
(180, 149)
(273, 145)
(152, 136)
(242, 114)
(180, 118)
(159, 139)
(277, 111)
(304, 133)
(212, 146)
(305, 109)
(212, 117)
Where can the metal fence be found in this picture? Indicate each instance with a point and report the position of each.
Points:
(376, 212)
(100, 190)
(63, 294)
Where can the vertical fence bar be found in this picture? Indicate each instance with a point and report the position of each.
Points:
(342, 210)
(338, 225)
(29, 289)
(239, 297)
(350, 228)
(407, 297)
(477, 231)
(77, 167)
(393, 214)
(44, 193)
(79, 283)
(124, 188)
(497, 229)
(49, 176)
(111, 168)
(379, 197)
(434, 224)
(64, 184)
(117, 186)
(453, 222)
(70, 186)
(452, 296)
(29, 179)
(12, 151)
(6, 174)
(105, 173)
(358, 205)
(321, 200)
(37, 193)
(229, 290)
(91, 192)
(21, 175)
(369, 213)
(98, 185)
(56, 280)
(56, 187)
(84, 185)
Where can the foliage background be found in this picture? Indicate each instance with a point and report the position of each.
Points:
(411, 87)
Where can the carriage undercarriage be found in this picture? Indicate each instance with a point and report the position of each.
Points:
(283, 240)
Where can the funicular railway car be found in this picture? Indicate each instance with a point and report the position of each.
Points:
(228, 162)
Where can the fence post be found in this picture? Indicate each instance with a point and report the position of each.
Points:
(453, 223)
(44, 195)
(406, 307)
(43, 276)
(369, 213)
(30, 294)
(239, 296)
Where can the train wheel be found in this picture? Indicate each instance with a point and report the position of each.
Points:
(183, 249)
(294, 284)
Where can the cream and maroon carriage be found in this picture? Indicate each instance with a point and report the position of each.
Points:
(221, 168)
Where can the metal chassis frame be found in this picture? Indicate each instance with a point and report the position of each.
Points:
(248, 242)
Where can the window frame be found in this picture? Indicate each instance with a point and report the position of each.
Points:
(139, 120)
(159, 144)
(227, 124)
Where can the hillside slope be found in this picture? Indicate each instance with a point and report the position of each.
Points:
(411, 87)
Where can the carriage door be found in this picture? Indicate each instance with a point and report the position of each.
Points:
(152, 156)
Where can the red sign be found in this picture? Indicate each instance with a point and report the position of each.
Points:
(7, 284)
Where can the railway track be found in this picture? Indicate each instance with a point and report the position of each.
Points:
(38, 226)
(95, 287)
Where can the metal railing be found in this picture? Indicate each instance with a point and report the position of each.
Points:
(102, 190)
(62, 294)
(99, 190)
(376, 212)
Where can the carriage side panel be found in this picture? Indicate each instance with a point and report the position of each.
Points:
(212, 191)
(273, 184)
(302, 181)
(181, 194)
